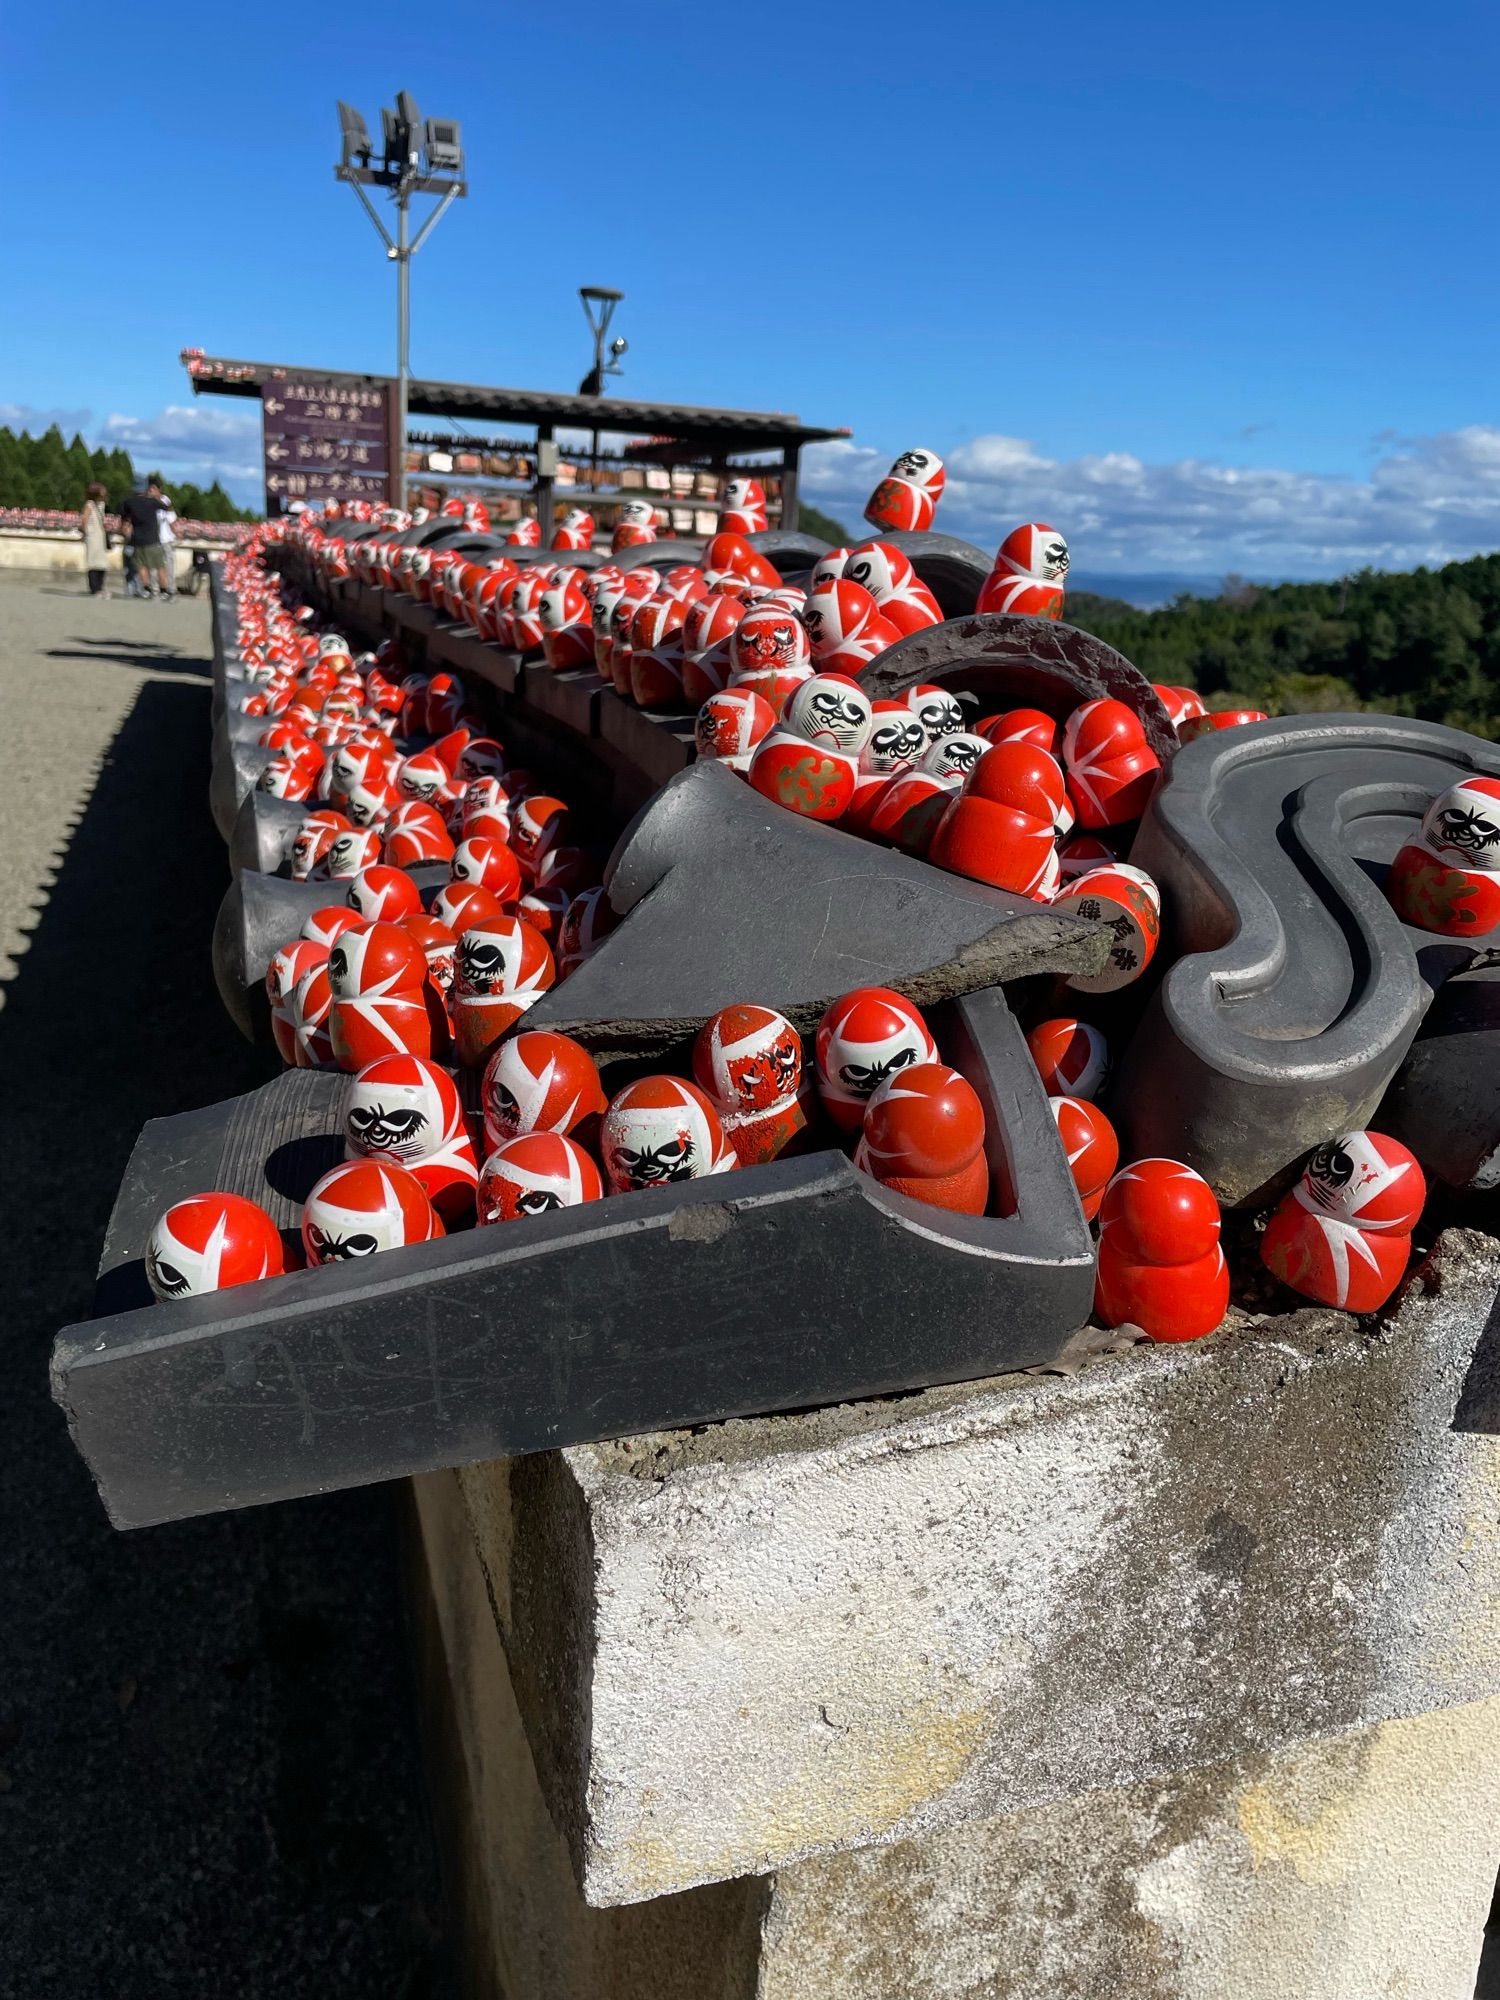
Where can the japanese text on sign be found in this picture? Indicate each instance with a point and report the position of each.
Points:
(325, 439)
(325, 485)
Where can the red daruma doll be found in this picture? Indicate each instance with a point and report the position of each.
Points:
(1089, 1141)
(908, 495)
(731, 726)
(1160, 1264)
(924, 1137)
(1027, 580)
(904, 600)
(748, 1060)
(1447, 880)
(377, 978)
(209, 1242)
(288, 966)
(1002, 828)
(810, 763)
(659, 1131)
(1072, 1058)
(503, 966)
(536, 1174)
(634, 524)
(1112, 769)
(363, 1207)
(576, 530)
(864, 1037)
(744, 510)
(1343, 1234)
(540, 1082)
(405, 1110)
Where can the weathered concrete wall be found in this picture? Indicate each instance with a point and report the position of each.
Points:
(1337, 1870)
(521, 1925)
(43, 553)
(737, 1649)
(62, 555)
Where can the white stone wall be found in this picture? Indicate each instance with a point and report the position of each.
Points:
(1337, 1869)
(62, 555)
(740, 1649)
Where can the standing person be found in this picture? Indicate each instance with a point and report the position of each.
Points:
(166, 529)
(95, 539)
(142, 517)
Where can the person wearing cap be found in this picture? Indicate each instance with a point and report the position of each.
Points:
(141, 515)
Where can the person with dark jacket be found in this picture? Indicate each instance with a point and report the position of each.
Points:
(141, 515)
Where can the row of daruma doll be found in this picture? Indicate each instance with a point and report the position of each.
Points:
(1018, 801)
(905, 499)
(386, 970)
(552, 1138)
(664, 638)
(1306, 1244)
(396, 565)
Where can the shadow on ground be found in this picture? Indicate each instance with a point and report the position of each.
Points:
(149, 659)
(208, 1772)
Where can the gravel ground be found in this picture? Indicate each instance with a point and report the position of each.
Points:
(209, 1781)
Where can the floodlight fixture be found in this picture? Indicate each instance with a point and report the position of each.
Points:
(356, 136)
(402, 145)
(599, 302)
(409, 120)
(419, 157)
(444, 148)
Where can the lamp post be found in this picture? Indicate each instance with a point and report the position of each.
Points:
(599, 302)
(419, 157)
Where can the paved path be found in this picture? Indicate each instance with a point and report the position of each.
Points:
(208, 1782)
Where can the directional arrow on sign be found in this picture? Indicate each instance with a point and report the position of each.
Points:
(346, 484)
(311, 428)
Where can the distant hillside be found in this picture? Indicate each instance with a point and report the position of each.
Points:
(1424, 642)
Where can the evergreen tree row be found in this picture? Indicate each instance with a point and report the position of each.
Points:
(1421, 642)
(47, 472)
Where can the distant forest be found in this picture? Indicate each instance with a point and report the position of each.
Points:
(47, 472)
(1421, 642)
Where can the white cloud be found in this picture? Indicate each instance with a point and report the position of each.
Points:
(23, 417)
(1425, 500)
(201, 441)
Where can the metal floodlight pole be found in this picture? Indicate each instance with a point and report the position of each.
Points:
(419, 159)
(402, 254)
(599, 302)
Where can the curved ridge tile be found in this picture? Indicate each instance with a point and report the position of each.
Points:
(1296, 990)
(1036, 661)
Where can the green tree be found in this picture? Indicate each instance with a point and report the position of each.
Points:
(813, 521)
(217, 506)
(1426, 642)
(121, 477)
(80, 470)
(197, 503)
(1309, 694)
(51, 475)
(15, 471)
(188, 500)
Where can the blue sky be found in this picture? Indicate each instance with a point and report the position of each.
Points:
(1205, 289)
